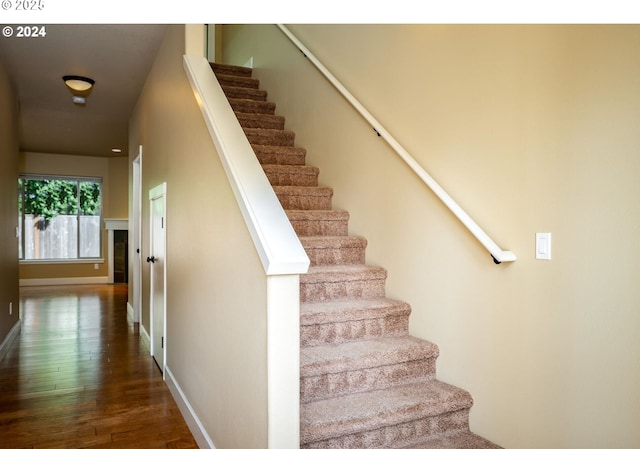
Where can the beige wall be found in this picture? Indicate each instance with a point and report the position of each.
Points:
(118, 193)
(8, 205)
(216, 286)
(114, 174)
(529, 128)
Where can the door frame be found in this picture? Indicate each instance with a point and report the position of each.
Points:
(158, 193)
(135, 248)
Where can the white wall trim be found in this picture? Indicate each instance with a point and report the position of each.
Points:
(64, 281)
(6, 344)
(116, 224)
(130, 312)
(145, 337)
(113, 224)
(193, 422)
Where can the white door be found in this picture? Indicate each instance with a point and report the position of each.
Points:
(157, 262)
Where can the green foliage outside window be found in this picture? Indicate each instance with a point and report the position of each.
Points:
(48, 198)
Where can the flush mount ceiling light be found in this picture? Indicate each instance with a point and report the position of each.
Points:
(79, 86)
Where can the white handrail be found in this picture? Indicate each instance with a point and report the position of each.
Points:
(498, 254)
(275, 240)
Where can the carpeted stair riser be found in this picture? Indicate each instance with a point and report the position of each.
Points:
(263, 121)
(338, 282)
(291, 175)
(313, 388)
(274, 154)
(277, 137)
(238, 81)
(334, 250)
(332, 370)
(454, 440)
(245, 93)
(365, 383)
(308, 223)
(398, 436)
(306, 198)
(388, 418)
(348, 320)
(252, 107)
(233, 70)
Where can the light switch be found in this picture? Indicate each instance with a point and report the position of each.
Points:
(543, 245)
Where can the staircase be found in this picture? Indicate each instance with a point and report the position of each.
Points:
(364, 381)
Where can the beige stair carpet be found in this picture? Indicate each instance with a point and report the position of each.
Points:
(364, 381)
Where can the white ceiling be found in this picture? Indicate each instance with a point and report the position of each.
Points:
(117, 57)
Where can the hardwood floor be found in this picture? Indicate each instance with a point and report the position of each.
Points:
(80, 376)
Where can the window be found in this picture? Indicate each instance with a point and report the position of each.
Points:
(59, 217)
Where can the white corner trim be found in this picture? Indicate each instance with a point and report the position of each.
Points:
(6, 344)
(64, 281)
(193, 422)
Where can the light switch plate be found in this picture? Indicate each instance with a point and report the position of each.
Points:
(543, 245)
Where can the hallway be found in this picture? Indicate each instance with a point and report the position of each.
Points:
(80, 376)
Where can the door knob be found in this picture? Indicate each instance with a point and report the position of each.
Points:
(151, 259)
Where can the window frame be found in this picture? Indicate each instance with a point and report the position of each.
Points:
(21, 216)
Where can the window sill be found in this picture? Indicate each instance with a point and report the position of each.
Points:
(60, 261)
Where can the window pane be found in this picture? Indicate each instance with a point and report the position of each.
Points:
(51, 226)
(61, 218)
(89, 219)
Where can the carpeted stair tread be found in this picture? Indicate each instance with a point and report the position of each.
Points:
(350, 309)
(291, 169)
(338, 321)
(335, 250)
(319, 222)
(265, 136)
(246, 93)
(328, 371)
(277, 154)
(304, 197)
(338, 273)
(291, 175)
(360, 354)
(234, 70)
(455, 440)
(238, 81)
(266, 121)
(329, 282)
(252, 106)
(366, 411)
(324, 241)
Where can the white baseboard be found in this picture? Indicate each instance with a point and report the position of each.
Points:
(145, 336)
(130, 311)
(64, 281)
(194, 423)
(6, 344)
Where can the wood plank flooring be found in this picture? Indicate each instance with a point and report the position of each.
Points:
(80, 376)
